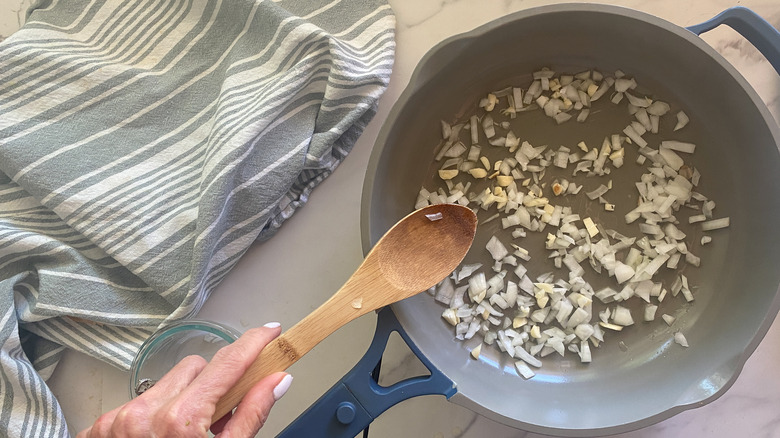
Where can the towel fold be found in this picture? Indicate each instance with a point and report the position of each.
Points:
(144, 145)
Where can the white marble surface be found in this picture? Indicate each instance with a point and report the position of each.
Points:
(273, 283)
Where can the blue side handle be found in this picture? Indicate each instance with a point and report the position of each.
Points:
(357, 399)
(750, 25)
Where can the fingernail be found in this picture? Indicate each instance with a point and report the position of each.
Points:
(272, 325)
(281, 388)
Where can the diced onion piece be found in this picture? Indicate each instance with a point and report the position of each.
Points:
(487, 127)
(669, 319)
(600, 191)
(579, 316)
(434, 216)
(682, 120)
(623, 272)
(622, 316)
(679, 146)
(658, 108)
(650, 310)
(497, 250)
(476, 351)
(634, 136)
(585, 355)
(524, 370)
(715, 224)
(610, 326)
(697, 218)
(448, 174)
(562, 117)
(671, 158)
(680, 339)
(451, 316)
(477, 287)
(623, 84)
(467, 270)
(584, 331)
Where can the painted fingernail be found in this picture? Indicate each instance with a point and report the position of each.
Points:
(281, 388)
(272, 325)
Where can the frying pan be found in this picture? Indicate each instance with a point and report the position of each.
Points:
(623, 388)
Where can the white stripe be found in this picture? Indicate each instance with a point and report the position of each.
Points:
(25, 255)
(135, 335)
(90, 278)
(173, 248)
(66, 336)
(5, 320)
(47, 355)
(107, 340)
(73, 25)
(164, 228)
(32, 389)
(112, 235)
(11, 190)
(100, 314)
(173, 288)
(321, 10)
(366, 18)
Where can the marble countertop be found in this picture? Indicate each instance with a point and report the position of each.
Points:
(268, 284)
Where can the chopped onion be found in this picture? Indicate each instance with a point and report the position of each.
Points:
(623, 272)
(451, 316)
(448, 174)
(434, 216)
(715, 224)
(555, 311)
(680, 339)
(524, 370)
(650, 310)
(622, 316)
(601, 190)
(678, 146)
(682, 120)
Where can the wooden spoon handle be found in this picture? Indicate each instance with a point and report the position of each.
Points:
(291, 345)
(278, 355)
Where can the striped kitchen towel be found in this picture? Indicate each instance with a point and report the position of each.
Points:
(144, 145)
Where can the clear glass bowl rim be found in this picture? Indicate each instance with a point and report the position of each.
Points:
(225, 332)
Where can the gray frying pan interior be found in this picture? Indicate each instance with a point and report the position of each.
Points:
(651, 378)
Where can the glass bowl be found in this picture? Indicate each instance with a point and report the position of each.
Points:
(172, 343)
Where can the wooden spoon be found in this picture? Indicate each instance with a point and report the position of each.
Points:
(414, 255)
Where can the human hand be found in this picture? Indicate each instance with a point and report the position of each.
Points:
(183, 401)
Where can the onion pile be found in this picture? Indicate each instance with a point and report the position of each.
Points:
(530, 316)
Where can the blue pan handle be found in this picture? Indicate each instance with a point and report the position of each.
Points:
(357, 399)
(751, 26)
